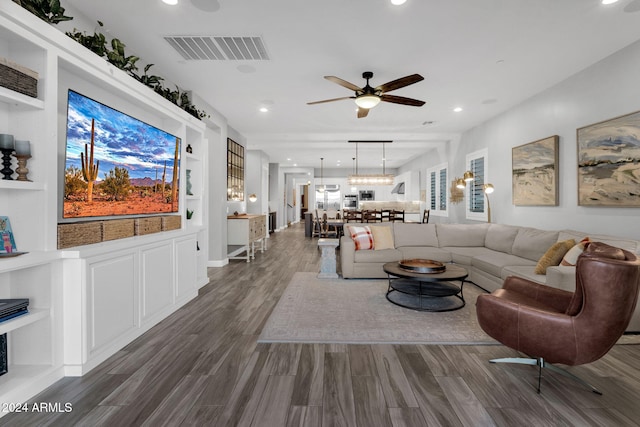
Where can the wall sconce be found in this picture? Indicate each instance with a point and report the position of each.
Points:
(468, 176)
(460, 183)
(488, 189)
(253, 198)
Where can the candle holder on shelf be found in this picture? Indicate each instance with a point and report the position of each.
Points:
(7, 147)
(23, 153)
(22, 169)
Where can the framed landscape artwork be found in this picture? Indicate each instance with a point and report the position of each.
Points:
(534, 175)
(609, 162)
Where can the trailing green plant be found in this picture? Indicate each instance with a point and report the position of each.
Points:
(48, 10)
(97, 43)
(117, 57)
(149, 80)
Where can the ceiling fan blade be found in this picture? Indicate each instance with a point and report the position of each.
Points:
(343, 83)
(402, 100)
(362, 112)
(330, 100)
(401, 82)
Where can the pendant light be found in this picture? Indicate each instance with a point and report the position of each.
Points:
(321, 189)
(372, 179)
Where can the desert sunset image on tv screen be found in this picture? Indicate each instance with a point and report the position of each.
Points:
(116, 164)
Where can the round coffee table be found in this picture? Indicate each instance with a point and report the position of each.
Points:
(426, 291)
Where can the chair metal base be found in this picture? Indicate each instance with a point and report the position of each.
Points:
(541, 363)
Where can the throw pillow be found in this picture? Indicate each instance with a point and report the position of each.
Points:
(362, 237)
(382, 237)
(571, 257)
(554, 255)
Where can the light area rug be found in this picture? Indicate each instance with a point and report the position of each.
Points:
(356, 311)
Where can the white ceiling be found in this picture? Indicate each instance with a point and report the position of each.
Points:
(484, 56)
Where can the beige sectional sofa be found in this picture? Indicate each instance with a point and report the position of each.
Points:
(490, 252)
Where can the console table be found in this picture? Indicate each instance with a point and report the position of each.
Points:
(243, 233)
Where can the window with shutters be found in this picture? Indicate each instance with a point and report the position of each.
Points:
(437, 200)
(475, 204)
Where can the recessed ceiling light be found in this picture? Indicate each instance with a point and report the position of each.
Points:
(171, 2)
(457, 109)
(398, 2)
(609, 1)
(288, 159)
(264, 110)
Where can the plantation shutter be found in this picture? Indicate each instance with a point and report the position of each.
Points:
(433, 190)
(443, 190)
(476, 195)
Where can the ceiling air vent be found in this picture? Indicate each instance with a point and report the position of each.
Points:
(212, 48)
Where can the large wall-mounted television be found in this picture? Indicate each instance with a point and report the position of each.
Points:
(116, 164)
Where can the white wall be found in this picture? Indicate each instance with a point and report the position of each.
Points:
(605, 90)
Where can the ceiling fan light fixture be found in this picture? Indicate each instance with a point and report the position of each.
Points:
(367, 101)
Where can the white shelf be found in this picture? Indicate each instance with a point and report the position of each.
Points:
(17, 375)
(192, 157)
(26, 319)
(22, 185)
(28, 260)
(16, 98)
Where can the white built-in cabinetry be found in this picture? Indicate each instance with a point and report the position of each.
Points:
(86, 302)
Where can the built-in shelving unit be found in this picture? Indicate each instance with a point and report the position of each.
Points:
(148, 276)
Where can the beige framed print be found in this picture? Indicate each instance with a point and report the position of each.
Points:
(534, 173)
(609, 162)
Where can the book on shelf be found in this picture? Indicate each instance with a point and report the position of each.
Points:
(10, 308)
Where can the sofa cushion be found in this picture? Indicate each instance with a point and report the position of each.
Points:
(463, 256)
(382, 256)
(414, 234)
(465, 235)
(626, 244)
(532, 243)
(495, 261)
(362, 237)
(382, 237)
(500, 237)
(554, 255)
(425, 252)
(526, 271)
(562, 277)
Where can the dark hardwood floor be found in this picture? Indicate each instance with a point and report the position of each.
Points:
(203, 366)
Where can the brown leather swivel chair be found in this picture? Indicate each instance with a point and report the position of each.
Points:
(571, 328)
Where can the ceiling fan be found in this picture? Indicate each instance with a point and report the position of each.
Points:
(368, 97)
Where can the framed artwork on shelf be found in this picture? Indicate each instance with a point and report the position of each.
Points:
(609, 162)
(7, 241)
(534, 173)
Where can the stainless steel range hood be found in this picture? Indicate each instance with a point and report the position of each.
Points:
(398, 189)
